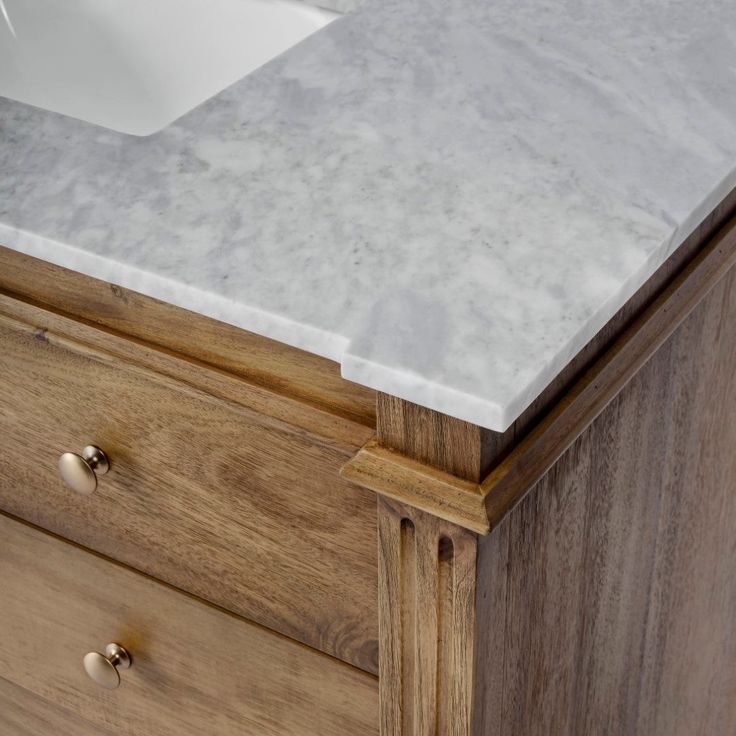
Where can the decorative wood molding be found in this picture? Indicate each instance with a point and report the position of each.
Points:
(392, 475)
(426, 603)
(482, 506)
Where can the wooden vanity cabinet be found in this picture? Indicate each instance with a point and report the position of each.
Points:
(381, 567)
(203, 492)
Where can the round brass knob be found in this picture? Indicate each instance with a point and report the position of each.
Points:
(80, 472)
(103, 668)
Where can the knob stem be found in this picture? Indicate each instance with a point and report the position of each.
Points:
(96, 459)
(118, 656)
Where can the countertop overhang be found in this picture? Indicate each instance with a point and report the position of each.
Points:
(448, 199)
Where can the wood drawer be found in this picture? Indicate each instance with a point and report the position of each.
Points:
(25, 714)
(228, 503)
(196, 669)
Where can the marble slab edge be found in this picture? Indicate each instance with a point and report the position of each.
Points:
(484, 411)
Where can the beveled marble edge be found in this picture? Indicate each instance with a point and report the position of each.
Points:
(411, 387)
(174, 292)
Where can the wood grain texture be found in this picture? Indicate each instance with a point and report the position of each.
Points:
(149, 359)
(435, 439)
(196, 670)
(607, 598)
(427, 623)
(203, 493)
(262, 362)
(24, 714)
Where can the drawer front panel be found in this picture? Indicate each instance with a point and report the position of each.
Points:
(195, 669)
(24, 714)
(221, 501)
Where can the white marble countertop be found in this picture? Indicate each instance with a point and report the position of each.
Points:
(450, 199)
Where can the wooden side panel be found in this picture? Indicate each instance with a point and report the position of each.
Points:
(196, 669)
(426, 623)
(607, 599)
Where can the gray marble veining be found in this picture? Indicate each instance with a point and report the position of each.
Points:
(448, 198)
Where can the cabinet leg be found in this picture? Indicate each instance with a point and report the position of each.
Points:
(426, 601)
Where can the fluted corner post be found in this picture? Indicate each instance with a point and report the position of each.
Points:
(427, 587)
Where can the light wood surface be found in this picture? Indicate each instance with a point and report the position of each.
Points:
(204, 493)
(607, 598)
(427, 623)
(24, 714)
(266, 363)
(196, 670)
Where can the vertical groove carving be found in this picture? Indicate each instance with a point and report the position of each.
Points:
(427, 628)
(426, 623)
(445, 616)
(408, 624)
(392, 645)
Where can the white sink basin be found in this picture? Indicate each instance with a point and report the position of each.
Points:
(137, 65)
